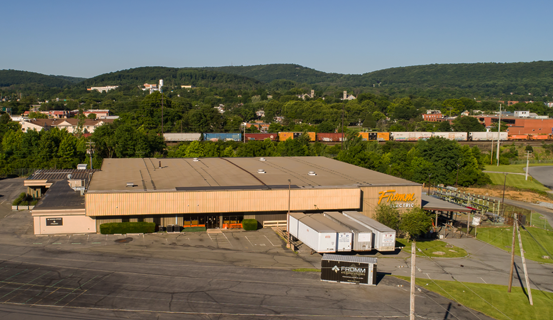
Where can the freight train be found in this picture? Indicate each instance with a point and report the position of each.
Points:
(366, 136)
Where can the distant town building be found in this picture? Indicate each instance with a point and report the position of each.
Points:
(311, 95)
(102, 89)
(70, 125)
(533, 124)
(433, 117)
(549, 104)
(220, 108)
(522, 114)
(260, 113)
(347, 97)
(187, 86)
(263, 127)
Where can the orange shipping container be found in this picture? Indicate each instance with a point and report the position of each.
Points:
(519, 137)
(540, 137)
(364, 136)
(283, 136)
(383, 136)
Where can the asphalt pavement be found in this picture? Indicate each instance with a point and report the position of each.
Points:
(544, 174)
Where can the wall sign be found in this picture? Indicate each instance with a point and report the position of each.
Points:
(397, 200)
(54, 222)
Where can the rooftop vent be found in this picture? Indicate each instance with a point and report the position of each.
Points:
(196, 160)
(81, 166)
(261, 171)
(130, 184)
(262, 159)
(312, 173)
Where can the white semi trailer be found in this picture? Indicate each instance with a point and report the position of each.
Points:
(384, 238)
(314, 234)
(343, 234)
(362, 236)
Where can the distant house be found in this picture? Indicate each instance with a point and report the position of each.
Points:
(220, 108)
(70, 125)
(260, 113)
(187, 86)
(263, 127)
(311, 95)
(465, 113)
(433, 117)
(52, 114)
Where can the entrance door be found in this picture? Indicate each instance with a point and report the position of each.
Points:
(212, 222)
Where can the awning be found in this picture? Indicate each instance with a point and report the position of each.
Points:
(431, 203)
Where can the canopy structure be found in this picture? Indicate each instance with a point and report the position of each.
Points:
(434, 204)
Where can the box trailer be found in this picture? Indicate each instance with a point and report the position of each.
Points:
(329, 137)
(314, 234)
(343, 233)
(488, 136)
(362, 236)
(261, 136)
(349, 269)
(384, 238)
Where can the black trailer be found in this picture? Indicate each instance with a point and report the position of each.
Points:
(348, 269)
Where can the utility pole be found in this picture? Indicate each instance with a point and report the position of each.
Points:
(90, 151)
(412, 299)
(343, 106)
(512, 255)
(503, 201)
(429, 176)
(289, 245)
(524, 267)
(491, 153)
(457, 179)
(161, 113)
(527, 163)
(498, 130)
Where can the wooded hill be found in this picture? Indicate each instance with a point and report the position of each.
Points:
(533, 80)
(16, 77)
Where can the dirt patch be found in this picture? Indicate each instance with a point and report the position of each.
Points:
(526, 196)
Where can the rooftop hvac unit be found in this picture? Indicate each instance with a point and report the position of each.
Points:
(130, 184)
(196, 160)
(312, 173)
(262, 159)
(81, 166)
(261, 171)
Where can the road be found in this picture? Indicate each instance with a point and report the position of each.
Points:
(543, 174)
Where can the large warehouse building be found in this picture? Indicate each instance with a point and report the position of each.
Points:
(217, 191)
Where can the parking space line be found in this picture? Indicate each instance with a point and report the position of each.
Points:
(274, 245)
(40, 292)
(249, 240)
(88, 289)
(24, 285)
(227, 239)
(210, 237)
(78, 288)
(483, 280)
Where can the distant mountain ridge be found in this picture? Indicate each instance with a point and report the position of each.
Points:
(455, 80)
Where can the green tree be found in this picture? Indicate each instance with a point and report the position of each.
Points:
(37, 115)
(467, 124)
(444, 126)
(415, 222)
(91, 116)
(388, 216)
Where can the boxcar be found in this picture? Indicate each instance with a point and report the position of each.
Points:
(410, 136)
(487, 136)
(261, 136)
(329, 137)
(457, 136)
(519, 137)
(283, 136)
(223, 136)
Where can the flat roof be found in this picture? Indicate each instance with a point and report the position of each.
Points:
(60, 196)
(431, 203)
(181, 174)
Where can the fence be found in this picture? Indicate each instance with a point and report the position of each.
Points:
(20, 172)
(274, 223)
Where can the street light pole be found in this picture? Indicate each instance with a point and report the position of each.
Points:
(498, 133)
(430, 175)
(503, 201)
(527, 162)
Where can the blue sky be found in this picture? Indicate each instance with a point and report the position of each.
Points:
(85, 39)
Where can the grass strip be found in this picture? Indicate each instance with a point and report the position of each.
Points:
(492, 300)
(306, 270)
(503, 237)
(429, 247)
(517, 181)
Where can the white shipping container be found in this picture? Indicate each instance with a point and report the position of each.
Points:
(344, 234)
(384, 238)
(488, 136)
(362, 236)
(314, 234)
(457, 136)
(178, 137)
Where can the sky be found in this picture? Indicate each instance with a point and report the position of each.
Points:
(88, 38)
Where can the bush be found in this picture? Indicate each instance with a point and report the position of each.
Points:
(22, 197)
(388, 216)
(194, 229)
(415, 222)
(249, 224)
(23, 203)
(127, 227)
(33, 203)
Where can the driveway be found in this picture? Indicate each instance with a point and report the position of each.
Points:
(543, 174)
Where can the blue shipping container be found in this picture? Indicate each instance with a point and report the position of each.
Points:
(222, 136)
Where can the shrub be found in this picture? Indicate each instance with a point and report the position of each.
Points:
(388, 216)
(127, 227)
(22, 197)
(194, 229)
(33, 203)
(249, 224)
(415, 222)
(24, 203)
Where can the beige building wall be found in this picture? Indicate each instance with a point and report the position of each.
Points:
(240, 201)
(73, 221)
(403, 197)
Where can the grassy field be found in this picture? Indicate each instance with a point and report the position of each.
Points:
(493, 300)
(517, 181)
(539, 221)
(429, 247)
(502, 238)
(517, 168)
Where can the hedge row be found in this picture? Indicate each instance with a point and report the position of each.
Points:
(249, 224)
(22, 200)
(127, 227)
